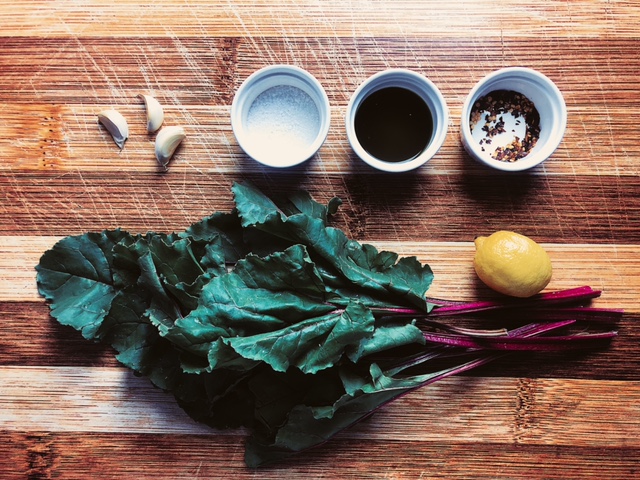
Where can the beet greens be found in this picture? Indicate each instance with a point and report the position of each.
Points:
(267, 317)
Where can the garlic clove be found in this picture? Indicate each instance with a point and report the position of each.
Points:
(167, 141)
(155, 113)
(116, 124)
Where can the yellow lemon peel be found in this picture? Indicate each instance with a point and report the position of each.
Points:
(512, 264)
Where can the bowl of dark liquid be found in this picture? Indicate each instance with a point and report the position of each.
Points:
(396, 120)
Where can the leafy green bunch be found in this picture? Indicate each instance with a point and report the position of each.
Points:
(266, 317)
(261, 317)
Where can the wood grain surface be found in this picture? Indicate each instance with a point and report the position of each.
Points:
(68, 410)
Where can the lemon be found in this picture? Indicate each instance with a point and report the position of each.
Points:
(512, 264)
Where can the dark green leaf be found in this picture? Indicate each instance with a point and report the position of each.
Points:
(223, 229)
(308, 426)
(311, 345)
(388, 335)
(76, 276)
(375, 272)
(260, 295)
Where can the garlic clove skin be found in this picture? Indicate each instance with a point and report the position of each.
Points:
(155, 113)
(116, 125)
(167, 141)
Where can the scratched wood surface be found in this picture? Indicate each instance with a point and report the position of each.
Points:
(69, 411)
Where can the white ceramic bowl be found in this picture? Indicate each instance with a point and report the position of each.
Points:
(280, 116)
(547, 99)
(418, 84)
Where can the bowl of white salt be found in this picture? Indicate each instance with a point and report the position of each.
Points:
(513, 119)
(280, 116)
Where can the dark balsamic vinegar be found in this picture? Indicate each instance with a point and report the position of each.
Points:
(394, 124)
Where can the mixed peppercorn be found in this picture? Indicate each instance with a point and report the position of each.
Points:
(492, 108)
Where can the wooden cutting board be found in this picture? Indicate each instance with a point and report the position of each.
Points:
(68, 410)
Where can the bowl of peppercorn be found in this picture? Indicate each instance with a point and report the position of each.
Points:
(513, 119)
